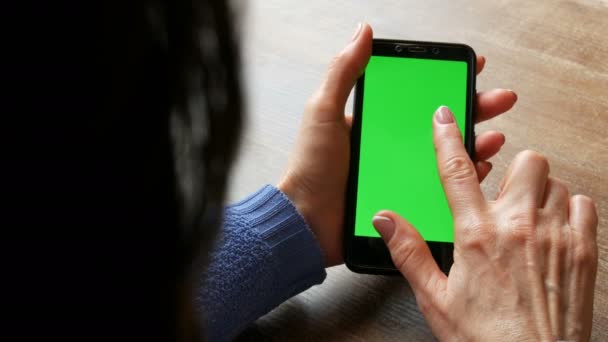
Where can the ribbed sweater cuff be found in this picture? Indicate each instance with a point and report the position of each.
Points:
(296, 254)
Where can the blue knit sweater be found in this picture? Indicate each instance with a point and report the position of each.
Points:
(265, 254)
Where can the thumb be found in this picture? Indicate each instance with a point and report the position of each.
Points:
(329, 100)
(411, 256)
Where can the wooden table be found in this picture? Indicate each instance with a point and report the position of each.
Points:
(553, 53)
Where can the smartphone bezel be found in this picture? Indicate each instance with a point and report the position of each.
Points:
(370, 255)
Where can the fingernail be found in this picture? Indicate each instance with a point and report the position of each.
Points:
(444, 115)
(385, 226)
(513, 92)
(356, 34)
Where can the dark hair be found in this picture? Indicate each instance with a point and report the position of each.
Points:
(124, 120)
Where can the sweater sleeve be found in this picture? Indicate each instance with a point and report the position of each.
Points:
(265, 254)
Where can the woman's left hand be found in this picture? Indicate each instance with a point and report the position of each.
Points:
(317, 173)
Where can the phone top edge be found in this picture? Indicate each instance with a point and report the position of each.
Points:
(470, 51)
(420, 42)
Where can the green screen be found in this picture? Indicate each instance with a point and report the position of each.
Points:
(397, 165)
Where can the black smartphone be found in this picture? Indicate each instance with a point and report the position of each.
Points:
(393, 164)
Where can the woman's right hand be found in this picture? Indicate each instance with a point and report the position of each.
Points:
(524, 263)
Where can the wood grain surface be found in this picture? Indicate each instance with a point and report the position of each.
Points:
(554, 54)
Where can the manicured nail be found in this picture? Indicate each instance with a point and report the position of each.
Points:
(444, 115)
(359, 27)
(385, 226)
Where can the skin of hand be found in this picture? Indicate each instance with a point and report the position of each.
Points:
(316, 176)
(524, 263)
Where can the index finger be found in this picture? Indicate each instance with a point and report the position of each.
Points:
(456, 170)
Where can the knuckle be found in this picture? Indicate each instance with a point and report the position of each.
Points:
(348, 68)
(477, 236)
(335, 63)
(585, 255)
(341, 66)
(472, 243)
(530, 156)
(558, 183)
(561, 245)
(523, 218)
(444, 140)
(404, 254)
(554, 242)
(337, 60)
(320, 104)
(519, 229)
(519, 235)
(560, 188)
(425, 304)
(311, 102)
(457, 168)
(545, 243)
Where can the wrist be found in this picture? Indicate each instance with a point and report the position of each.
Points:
(300, 198)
